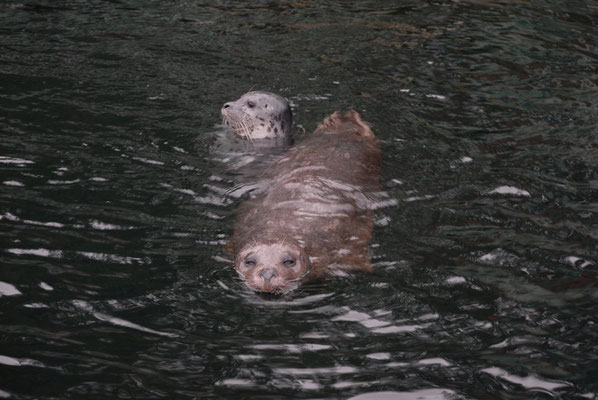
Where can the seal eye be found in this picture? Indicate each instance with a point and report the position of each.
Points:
(250, 104)
(249, 263)
(289, 262)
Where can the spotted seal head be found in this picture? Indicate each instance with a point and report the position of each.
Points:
(260, 115)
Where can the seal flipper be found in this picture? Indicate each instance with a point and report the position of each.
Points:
(350, 123)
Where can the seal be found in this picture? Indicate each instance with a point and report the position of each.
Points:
(260, 115)
(311, 219)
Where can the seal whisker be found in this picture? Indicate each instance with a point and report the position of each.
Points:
(246, 131)
(240, 128)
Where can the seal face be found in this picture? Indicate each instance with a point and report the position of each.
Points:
(312, 216)
(259, 115)
(276, 267)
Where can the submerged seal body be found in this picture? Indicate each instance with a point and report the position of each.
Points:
(312, 219)
(260, 115)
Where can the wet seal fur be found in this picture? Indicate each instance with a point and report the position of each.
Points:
(260, 115)
(312, 219)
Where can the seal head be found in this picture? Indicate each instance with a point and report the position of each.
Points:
(260, 115)
(272, 267)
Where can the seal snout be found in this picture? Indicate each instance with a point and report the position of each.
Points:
(268, 274)
(225, 108)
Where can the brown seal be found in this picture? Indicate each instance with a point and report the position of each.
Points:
(312, 218)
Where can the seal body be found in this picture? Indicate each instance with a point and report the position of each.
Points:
(312, 217)
(260, 115)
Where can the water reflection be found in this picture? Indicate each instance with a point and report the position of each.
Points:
(118, 190)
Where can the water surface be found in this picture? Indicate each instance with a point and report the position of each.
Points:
(115, 203)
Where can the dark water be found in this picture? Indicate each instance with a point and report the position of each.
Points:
(114, 205)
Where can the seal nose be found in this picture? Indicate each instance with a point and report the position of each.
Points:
(268, 274)
(226, 105)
